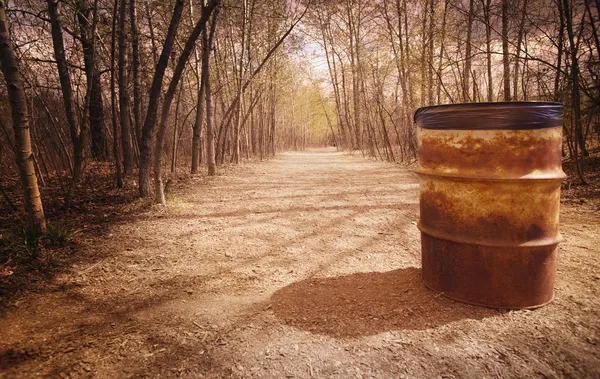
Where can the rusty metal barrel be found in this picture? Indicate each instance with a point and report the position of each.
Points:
(490, 176)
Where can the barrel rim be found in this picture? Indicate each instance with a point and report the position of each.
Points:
(503, 115)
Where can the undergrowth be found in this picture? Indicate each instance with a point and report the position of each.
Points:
(19, 242)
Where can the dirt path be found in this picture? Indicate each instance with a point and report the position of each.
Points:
(303, 266)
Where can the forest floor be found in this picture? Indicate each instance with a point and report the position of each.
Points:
(307, 265)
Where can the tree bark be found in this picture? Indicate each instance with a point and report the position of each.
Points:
(423, 58)
(77, 131)
(488, 46)
(96, 107)
(575, 94)
(518, 52)
(441, 56)
(113, 98)
(240, 75)
(207, 43)
(467, 68)
(430, 53)
(177, 73)
(505, 52)
(135, 69)
(155, 89)
(197, 130)
(18, 105)
(559, 50)
(124, 106)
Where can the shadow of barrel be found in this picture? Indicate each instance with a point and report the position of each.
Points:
(364, 304)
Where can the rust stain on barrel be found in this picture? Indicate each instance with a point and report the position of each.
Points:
(489, 202)
(514, 153)
(512, 217)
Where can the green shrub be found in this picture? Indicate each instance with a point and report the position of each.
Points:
(19, 240)
(58, 233)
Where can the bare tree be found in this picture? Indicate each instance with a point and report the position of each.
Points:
(85, 14)
(207, 43)
(505, 52)
(18, 104)
(78, 129)
(181, 62)
(150, 121)
(124, 106)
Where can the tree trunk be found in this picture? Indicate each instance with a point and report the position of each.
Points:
(593, 25)
(155, 92)
(177, 73)
(343, 139)
(18, 105)
(430, 53)
(575, 94)
(467, 68)
(441, 56)
(207, 43)
(240, 75)
(113, 98)
(135, 69)
(197, 130)
(126, 143)
(77, 131)
(505, 52)
(518, 52)
(488, 47)
(227, 115)
(423, 58)
(559, 51)
(175, 135)
(96, 108)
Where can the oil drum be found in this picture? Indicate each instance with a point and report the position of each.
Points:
(490, 177)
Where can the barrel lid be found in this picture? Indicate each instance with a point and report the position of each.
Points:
(517, 115)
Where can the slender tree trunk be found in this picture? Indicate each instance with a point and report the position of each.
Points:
(155, 92)
(207, 42)
(77, 132)
(197, 142)
(197, 130)
(240, 74)
(488, 47)
(441, 56)
(505, 52)
(113, 98)
(18, 105)
(261, 129)
(273, 116)
(135, 69)
(430, 53)
(559, 51)
(227, 115)
(575, 92)
(175, 135)
(126, 142)
(151, 31)
(353, 52)
(518, 52)
(177, 73)
(593, 25)
(343, 139)
(467, 68)
(423, 59)
(96, 108)
(411, 135)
